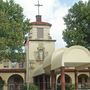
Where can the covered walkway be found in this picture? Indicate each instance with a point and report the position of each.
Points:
(65, 67)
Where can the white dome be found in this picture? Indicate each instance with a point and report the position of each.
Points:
(75, 56)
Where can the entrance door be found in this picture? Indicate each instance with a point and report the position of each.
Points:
(15, 82)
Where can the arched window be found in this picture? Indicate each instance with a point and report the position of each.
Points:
(82, 78)
(67, 79)
(15, 82)
(68, 82)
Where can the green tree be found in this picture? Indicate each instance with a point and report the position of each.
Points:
(77, 23)
(13, 27)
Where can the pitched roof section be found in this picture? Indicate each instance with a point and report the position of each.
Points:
(39, 71)
(40, 22)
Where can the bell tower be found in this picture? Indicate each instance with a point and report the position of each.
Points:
(40, 43)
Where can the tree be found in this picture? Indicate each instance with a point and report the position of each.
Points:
(77, 23)
(13, 27)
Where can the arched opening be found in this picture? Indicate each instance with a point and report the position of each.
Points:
(67, 79)
(83, 80)
(68, 82)
(1, 84)
(15, 82)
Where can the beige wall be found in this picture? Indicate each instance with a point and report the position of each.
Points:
(33, 47)
(10, 65)
(33, 62)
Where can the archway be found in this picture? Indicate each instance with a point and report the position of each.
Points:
(15, 82)
(68, 82)
(1, 84)
(67, 79)
(83, 80)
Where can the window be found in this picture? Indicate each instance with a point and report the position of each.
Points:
(6, 64)
(39, 32)
(14, 64)
(21, 65)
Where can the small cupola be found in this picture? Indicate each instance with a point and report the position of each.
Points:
(38, 18)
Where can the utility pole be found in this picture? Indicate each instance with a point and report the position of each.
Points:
(27, 63)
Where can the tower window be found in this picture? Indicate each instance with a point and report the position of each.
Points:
(40, 33)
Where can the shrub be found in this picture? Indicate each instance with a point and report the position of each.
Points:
(31, 87)
(67, 87)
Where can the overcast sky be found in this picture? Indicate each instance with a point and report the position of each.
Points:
(52, 11)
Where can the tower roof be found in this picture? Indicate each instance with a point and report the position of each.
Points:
(40, 22)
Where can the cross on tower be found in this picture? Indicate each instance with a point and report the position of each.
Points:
(38, 5)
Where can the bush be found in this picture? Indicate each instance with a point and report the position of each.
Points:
(70, 87)
(67, 87)
(31, 87)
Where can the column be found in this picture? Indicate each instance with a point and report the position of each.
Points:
(5, 87)
(44, 83)
(76, 80)
(52, 80)
(62, 78)
(89, 77)
(38, 81)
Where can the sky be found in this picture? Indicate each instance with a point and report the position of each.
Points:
(52, 11)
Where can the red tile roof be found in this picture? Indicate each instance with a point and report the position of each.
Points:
(41, 23)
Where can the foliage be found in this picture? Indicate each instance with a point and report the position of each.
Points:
(70, 87)
(31, 87)
(67, 87)
(77, 23)
(13, 27)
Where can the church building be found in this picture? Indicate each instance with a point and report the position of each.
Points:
(55, 69)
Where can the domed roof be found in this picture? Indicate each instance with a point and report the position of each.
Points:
(75, 56)
(48, 61)
(72, 57)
